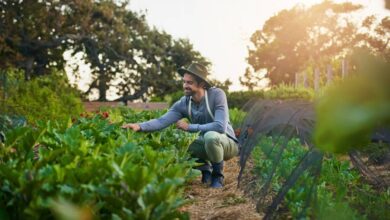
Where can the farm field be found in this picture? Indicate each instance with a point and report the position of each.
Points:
(89, 166)
(203, 110)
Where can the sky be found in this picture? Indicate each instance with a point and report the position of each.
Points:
(220, 29)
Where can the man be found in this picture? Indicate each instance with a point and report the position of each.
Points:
(207, 110)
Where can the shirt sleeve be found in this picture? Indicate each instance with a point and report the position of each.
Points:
(173, 115)
(220, 116)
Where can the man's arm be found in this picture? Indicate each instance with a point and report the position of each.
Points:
(164, 121)
(220, 118)
(172, 116)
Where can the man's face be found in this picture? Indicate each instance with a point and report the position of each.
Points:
(190, 85)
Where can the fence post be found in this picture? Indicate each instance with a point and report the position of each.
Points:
(344, 68)
(305, 79)
(316, 79)
(329, 75)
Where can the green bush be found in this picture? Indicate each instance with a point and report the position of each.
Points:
(42, 98)
(240, 98)
(289, 92)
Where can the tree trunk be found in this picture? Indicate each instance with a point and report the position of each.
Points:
(136, 95)
(102, 86)
(28, 68)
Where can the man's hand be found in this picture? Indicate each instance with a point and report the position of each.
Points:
(135, 127)
(182, 124)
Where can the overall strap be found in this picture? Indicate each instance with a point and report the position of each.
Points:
(189, 109)
(207, 106)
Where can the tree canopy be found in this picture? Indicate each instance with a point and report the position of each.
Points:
(122, 51)
(298, 37)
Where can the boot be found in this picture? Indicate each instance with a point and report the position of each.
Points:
(206, 176)
(217, 175)
(205, 169)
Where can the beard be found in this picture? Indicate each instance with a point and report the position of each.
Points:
(188, 92)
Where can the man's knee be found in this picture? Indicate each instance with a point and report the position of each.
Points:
(213, 146)
(211, 137)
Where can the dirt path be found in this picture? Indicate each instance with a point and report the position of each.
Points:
(226, 203)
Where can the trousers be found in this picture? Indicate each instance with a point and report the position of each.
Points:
(214, 147)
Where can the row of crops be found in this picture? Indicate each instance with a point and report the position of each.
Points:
(89, 167)
(337, 192)
(323, 159)
(292, 178)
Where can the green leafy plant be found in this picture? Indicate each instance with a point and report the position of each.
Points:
(339, 191)
(94, 164)
(236, 117)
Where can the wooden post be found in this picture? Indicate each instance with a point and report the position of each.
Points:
(305, 80)
(296, 80)
(344, 68)
(329, 75)
(316, 79)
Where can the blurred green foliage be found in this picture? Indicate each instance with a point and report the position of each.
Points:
(349, 111)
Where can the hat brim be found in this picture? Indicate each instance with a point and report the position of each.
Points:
(182, 71)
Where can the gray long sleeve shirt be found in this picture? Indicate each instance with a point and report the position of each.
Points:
(200, 117)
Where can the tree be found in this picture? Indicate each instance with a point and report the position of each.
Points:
(122, 51)
(251, 80)
(376, 36)
(162, 57)
(29, 39)
(292, 38)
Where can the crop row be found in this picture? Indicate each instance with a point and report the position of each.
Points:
(90, 166)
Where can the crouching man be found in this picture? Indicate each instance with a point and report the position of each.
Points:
(207, 110)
